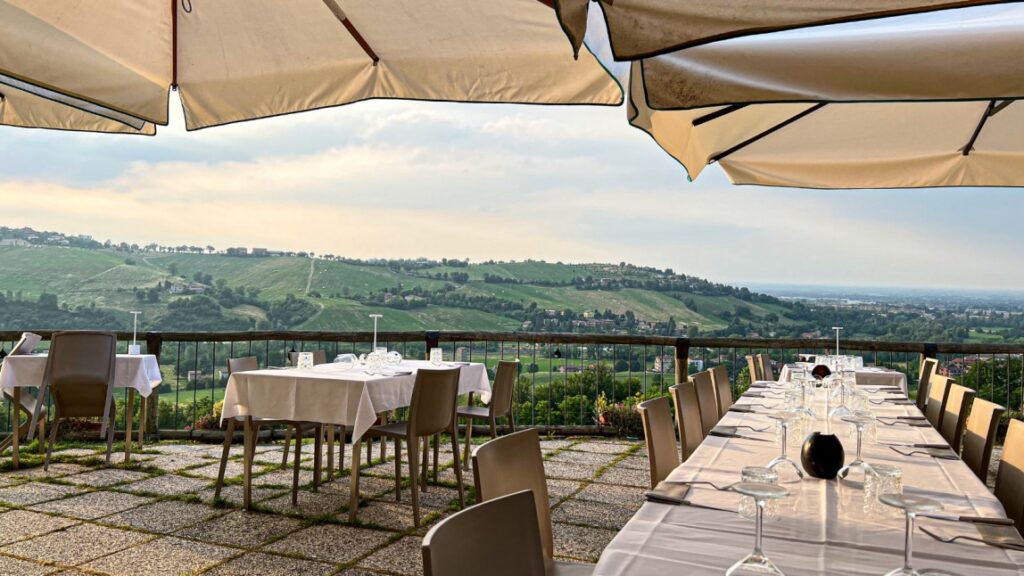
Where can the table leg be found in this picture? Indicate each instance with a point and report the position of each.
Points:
(16, 425)
(129, 411)
(318, 448)
(353, 501)
(247, 464)
(142, 421)
(330, 452)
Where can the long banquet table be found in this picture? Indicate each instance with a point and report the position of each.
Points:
(866, 375)
(332, 394)
(821, 527)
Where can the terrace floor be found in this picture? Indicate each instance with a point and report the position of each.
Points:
(158, 516)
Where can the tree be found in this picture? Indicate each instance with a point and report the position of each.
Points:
(153, 295)
(48, 301)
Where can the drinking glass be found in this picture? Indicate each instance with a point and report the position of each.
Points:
(911, 506)
(374, 363)
(436, 356)
(871, 428)
(345, 361)
(760, 474)
(756, 562)
(394, 359)
(881, 479)
(786, 420)
(859, 422)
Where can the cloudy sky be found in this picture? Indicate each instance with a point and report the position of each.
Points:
(576, 184)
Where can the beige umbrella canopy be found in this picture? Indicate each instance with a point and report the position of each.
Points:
(911, 101)
(108, 66)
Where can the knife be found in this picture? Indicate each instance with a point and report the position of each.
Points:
(971, 519)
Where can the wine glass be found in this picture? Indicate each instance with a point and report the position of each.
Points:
(846, 379)
(786, 420)
(859, 422)
(881, 479)
(911, 506)
(436, 356)
(756, 562)
(760, 474)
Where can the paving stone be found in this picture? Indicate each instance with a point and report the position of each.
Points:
(435, 498)
(403, 557)
(162, 557)
(232, 470)
(21, 524)
(309, 503)
(75, 545)
(592, 514)
(271, 565)
(179, 449)
(163, 517)
(106, 477)
(331, 543)
(56, 470)
(76, 452)
(613, 448)
(626, 477)
(569, 471)
(92, 505)
(581, 543)
(244, 529)
(282, 478)
(635, 463)
(370, 487)
(15, 567)
(619, 495)
(552, 445)
(167, 485)
(358, 572)
(233, 494)
(390, 515)
(177, 463)
(586, 458)
(558, 489)
(35, 492)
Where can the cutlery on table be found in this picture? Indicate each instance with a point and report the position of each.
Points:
(734, 435)
(723, 488)
(949, 456)
(970, 519)
(1007, 542)
(937, 445)
(913, 423)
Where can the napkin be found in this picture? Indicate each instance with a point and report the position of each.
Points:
(668, 493)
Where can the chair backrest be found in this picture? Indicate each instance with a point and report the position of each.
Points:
(510, 464)
(707, 401)
(958, 404)
(980, 436)
(938, 391)
(928, 368)
(80, 372)
(753, 366)
(498, 537)
(319, 357)
(691, 432)
(504, 385)
(723, 388)
(1010, 477)
(434, 395)
(246, 364)
(767, 372)
(660, 437)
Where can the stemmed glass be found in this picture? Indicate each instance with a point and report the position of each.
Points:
(912, 506)
(785, 421)
(846, 378)
(756, 562)
(860, 422)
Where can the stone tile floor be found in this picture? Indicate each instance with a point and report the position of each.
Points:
(158, 515)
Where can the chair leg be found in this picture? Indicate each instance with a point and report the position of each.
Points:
(341, 450)
(425, 457)
(369, 449)
(287, 443)
(229, 437)
(49, 445)
(494, 428)
(414, 460)
(384, 441)
(330, 452)
(469, 442)
(298, 459)
(318, 448)
(512, 421)
(110, 430)
(42, 434)
(398, 470)
(437, 451)
(458, 469)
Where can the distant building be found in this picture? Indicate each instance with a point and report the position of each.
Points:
(260, 252)
(664, 363)
(240, 251)
(697, 365)
(13, 242)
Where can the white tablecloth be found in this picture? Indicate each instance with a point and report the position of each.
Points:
(141, 372)
(822, 528)
(866, 376)
(331, 395)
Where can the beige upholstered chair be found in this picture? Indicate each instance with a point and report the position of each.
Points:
(319, 357)
(938, 391)
(754, 367)
(1010, 477)
(499, 537)
(928, 369)
(500, 406)
(691, 433)
(958, 404)
(660, 438)
(980, 436)
(767, 372)
(431, 411)
(511, 464)
(80, 379)
(707, 401)
(723, 388)
(26, 401)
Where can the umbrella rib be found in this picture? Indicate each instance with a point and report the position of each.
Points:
(768, 132)
(335, 9)
(717, 114)
(72, 101)
(991, 110)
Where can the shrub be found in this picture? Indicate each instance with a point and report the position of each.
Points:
(622, 417)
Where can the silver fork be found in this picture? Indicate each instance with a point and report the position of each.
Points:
(951, 539)
(913, 452)
(724, 488)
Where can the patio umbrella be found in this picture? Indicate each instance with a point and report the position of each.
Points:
(910, 101)
(645, 28)
(108, 66)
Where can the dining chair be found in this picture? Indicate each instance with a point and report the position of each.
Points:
(928, 369)
(1009, 487)
(938, 391)
(500, 406)
(958, 404)
(691, 432)
(980, 436)
(79, 376)
(767, 372)
(319, 357)
(707, 401)
(511, 464)
(26, 401)
(660, 438)
(499, 537)
(723, 388)
(431, 412)
(753, 366)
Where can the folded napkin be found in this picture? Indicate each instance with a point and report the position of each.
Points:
(668, 493)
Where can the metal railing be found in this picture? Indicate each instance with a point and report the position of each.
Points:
(562, 375)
